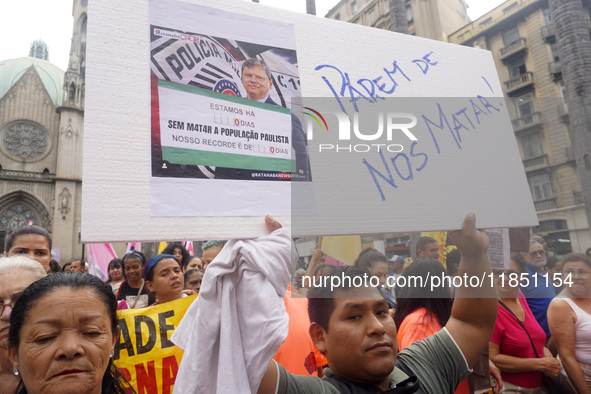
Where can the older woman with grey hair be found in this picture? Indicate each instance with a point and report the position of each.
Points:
(16, 274)
(210, 250)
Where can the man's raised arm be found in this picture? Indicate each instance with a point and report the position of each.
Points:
(475, 307)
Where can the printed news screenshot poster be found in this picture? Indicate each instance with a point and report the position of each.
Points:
(221, 107)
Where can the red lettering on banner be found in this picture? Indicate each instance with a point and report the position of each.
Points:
(169, 371)
(146, 380)
(125, 373)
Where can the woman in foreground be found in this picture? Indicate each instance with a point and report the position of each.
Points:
(62, 331)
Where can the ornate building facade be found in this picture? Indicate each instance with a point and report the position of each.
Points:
(520, 35)
(433, 19)
(41, 133)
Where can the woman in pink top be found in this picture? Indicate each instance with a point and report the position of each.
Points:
(510, 347)
(569, 318)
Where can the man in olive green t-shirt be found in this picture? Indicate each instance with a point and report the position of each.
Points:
(352, 326)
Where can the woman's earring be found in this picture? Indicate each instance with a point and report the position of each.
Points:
(15, 372)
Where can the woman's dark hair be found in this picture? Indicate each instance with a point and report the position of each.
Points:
(369, 256)
(520, 261)
(551, 262)
(169, 249)
(452, 258)
(54, 266)
(26, 230)
(115, 263)
(66, 266)
(191, 258)
(134, 254)
(112, 380)
(192, 272)
(414, 295)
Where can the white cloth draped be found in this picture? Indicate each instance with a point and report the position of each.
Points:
(231, 332)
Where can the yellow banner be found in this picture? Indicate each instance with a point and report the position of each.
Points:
(344, 248)
(162, 246)
(144, 353)
(367, 245)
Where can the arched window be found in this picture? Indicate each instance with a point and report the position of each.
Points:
(83, 22)
(19, 209)
(72, 93)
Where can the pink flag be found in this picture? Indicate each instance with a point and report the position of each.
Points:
(189, 246)
(333, 261)
(99, 256)
(135, 246)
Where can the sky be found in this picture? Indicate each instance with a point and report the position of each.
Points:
(24, 21)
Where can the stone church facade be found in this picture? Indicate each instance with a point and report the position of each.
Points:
(41, 133)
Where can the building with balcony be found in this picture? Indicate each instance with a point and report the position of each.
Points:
(433, 19)
(520, 36)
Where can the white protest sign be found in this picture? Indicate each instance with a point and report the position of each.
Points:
(458, 158)
(464, 157)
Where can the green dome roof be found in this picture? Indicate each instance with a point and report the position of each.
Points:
(51, 76)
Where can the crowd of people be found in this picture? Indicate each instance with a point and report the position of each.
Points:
(543, 326)
(529, 332)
